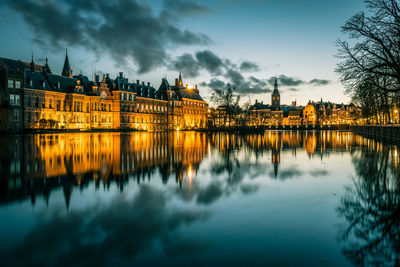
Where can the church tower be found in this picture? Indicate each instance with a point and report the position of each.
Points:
(276, 96)
(66, 71)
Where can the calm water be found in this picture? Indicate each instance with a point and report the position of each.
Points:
(282, 198)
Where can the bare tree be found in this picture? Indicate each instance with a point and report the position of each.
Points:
(229, 100)
(370, 66)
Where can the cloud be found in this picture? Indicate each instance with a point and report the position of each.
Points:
(252, 85)
(235, 77)
(180, 8)
(217, 66)
(319, 82)
(293, 89)
(284, 80)
(187, 65)
(127, 30)
(215, 84)
(210, 61)
(248, 66)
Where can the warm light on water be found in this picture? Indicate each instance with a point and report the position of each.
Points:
(313, 198)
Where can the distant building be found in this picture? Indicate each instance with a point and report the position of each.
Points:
(32, 97)
(309, 115)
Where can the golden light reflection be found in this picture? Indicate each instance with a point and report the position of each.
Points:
(105, 157)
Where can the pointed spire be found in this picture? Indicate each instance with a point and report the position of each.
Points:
(32, 65)
(66, 71)
(180, 83)
(276, 84)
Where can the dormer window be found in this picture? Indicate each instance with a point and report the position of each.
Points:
(103, 95)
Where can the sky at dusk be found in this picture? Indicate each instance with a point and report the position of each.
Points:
(242, 42)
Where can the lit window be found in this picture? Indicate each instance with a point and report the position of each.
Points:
(17, 84)
(14, 100)
(10, 84)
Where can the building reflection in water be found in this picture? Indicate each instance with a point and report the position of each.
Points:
(33, 165)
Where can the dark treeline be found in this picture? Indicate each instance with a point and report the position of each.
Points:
(370, 60)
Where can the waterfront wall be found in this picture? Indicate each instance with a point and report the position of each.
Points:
(382, 133)
(261, 129)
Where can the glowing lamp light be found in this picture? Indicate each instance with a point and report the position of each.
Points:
(189, 87)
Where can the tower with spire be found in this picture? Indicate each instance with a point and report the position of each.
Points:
(276, 96)
(66, 71)
(180, 82)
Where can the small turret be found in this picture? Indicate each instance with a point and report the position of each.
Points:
(46, 67)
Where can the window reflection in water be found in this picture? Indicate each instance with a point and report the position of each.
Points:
(34, 164)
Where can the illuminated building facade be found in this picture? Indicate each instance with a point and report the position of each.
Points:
(32, 97)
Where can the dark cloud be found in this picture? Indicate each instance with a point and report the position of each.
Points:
(235, 77)
(210, 61)
(218, 66)
(293, 89)
(127, 30)
(258, 81)
(284, 80)
(252, 85)
(319, 82)
(187, 65)
(249, 66)
(179, 8)
(124, 228)
(215, 84)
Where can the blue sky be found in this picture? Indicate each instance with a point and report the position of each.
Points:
(294, 39)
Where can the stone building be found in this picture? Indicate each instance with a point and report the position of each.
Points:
(32, 97)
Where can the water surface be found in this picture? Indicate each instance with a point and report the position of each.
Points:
(282, 198)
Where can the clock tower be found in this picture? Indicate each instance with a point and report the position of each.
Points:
(276, 96)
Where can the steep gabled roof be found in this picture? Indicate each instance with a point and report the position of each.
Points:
(191, 94)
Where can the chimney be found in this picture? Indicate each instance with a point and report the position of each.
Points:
(121, 74)
(148, 84)
(97, 78)
(176, 82)
(195, 86)
(142, 83)
(256, 101)
(107, 76)
(137, 81)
